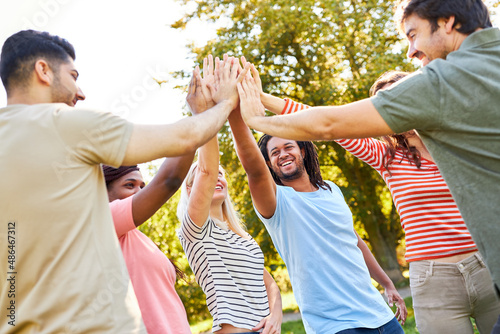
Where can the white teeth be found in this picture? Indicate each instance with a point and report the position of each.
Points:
(286, 163)
(218, 188)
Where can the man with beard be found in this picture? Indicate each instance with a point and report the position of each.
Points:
(60, 253)
(453, 103)
(312, 229)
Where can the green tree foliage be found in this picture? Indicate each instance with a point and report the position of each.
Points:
(318, 53)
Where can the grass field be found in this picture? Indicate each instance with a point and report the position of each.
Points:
(296, 327)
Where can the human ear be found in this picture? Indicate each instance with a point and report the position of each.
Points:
(43, 72)
(448, 23)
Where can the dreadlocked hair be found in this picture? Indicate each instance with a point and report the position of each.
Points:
(395, 141)
(311, 162)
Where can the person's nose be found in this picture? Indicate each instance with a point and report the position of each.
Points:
(79, 95)
(412, 52)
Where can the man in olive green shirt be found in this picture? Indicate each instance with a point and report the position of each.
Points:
(453, 102)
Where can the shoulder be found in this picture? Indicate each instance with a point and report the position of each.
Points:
(121, 211)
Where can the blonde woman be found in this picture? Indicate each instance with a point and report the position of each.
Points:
(228, 264)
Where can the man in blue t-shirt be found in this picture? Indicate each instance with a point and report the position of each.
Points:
(312, 228)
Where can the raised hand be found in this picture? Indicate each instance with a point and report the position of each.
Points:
(199, 97)
(249, 93)
(226, 78)
(254, 73)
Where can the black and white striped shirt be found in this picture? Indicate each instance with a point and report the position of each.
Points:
(230, 271)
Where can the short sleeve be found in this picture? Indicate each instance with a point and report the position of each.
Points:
(93, 136)
(412, 103)
(191, 232)
(121, 211)
(369, 150)
(274, 219)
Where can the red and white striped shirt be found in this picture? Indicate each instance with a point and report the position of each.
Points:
(429, 216)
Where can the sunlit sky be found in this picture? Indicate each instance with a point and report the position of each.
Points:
(120, 46)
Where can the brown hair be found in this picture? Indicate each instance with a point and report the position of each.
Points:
(469, 14)
(395, 141)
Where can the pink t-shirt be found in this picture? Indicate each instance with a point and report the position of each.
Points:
(152, 275)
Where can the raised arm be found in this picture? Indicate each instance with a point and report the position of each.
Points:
(207, 173)
(165, 183)
(355, 120)
(379, 275)
(272, 103)
(260, 181)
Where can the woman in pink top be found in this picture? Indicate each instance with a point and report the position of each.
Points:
(151, 272)
(448, 278)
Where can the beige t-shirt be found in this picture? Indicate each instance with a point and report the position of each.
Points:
(61, 267)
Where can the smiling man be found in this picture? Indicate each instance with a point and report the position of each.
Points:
(453, 102)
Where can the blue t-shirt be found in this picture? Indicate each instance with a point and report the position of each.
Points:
(314, 234)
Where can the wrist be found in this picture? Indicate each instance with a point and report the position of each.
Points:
(228, 104)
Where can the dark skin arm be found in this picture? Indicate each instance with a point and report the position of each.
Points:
(163, 186)
(379, 275)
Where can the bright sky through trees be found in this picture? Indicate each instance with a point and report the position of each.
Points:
(120, 47)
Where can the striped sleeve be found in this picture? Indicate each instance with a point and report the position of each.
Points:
(192, 233)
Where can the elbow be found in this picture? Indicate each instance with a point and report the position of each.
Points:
(172, 184)
(326, 131)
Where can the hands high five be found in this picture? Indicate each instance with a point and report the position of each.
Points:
(226, 81)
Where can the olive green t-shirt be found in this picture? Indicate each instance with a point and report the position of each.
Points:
(454, 104)
(61, 267)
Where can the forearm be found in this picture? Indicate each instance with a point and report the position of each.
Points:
(273, 294)
(376, 271)
(149, 142)
(165, 183)
(246, 147)
(356, 120)
(272, 103)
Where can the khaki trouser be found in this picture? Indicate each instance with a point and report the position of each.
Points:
(445, 295)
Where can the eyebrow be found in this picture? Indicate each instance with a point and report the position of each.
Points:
(276, 147)
(409, 31)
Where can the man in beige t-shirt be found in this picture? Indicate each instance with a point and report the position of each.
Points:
(61, 268)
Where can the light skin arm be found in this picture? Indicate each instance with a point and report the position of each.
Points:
(201, 193)
(165, 183)
(271, 103)
(200, 198)
(271, 323)
(355, 120)
(379, 275)
(149, 142)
